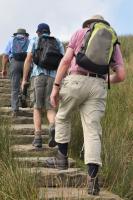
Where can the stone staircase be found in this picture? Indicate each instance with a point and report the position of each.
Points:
(56, 184)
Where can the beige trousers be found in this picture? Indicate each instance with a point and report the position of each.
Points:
(88, 94)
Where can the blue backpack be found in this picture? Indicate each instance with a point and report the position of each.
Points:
(19, 48)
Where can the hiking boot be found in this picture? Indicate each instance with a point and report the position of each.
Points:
(59, 162)
(37, 142)
(93, 186)
(22, 102)
(52, 142)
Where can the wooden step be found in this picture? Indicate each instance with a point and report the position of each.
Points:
(65, 193)
(39, 161)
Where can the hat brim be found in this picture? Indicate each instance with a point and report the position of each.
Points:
(44, 30)
(27, 34)
(89, 21)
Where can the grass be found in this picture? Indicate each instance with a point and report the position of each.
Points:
(15, 183)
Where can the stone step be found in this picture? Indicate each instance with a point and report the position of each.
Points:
(39, 161)
(28, 150)
(5, 90)
(26, 139)
(50, 177)
(4, 101)
(27, 112)
(5, 80)
(27, 129)
(5, 96)
(19, 119)
(65, 193)
(9, 109)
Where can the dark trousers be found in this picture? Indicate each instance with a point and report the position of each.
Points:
(16, 73)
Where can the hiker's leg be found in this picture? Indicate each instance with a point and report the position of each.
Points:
(37, 119)
(51, 113)
(38, 99)
(51, 119)
(51, 116)
(16, 68)
(72, 93)
(63, 134)
(38, 95)
(91, 112)
(69, 101)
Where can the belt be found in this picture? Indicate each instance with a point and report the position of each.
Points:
(89, 74)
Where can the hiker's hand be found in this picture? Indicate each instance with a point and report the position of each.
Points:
(23, 84)
(4, 73)
(54, 97)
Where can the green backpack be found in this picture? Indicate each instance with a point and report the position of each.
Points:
(96, 52)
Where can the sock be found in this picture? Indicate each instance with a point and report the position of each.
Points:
(93, 170)
(51, 126)
(63, 148)
(38, 134)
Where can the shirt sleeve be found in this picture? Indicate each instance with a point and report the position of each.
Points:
(61, 46)
(117, 58)
(8, 48)
(31, 46)
(73, 41)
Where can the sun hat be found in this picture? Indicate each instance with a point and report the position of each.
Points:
(94, 18)
(21, 31)
(43, 28)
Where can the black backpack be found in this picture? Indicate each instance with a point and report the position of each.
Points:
(47, 54)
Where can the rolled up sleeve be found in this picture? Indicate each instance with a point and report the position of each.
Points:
(117, 58)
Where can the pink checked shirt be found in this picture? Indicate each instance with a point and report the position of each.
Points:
(76, 43)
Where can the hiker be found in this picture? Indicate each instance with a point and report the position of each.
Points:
(87, 91)
(44, 52)
(15, 54)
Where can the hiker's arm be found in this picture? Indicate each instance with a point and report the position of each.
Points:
(118, 67)
(62, 69)
(5, 60)
(119, 75)
(26, 69)
(64, 65)
(6, 56)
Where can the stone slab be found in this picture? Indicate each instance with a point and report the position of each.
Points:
(66, 193)
(39, 161)
(49, 177)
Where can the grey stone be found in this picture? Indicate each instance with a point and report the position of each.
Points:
(74, 194)
(39, 161)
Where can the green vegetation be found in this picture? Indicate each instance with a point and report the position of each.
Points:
(15, 183)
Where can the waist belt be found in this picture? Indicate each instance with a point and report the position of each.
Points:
(89, 74)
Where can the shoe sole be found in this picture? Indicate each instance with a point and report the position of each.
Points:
(52, 143)
(54, 165)
(37, 146)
